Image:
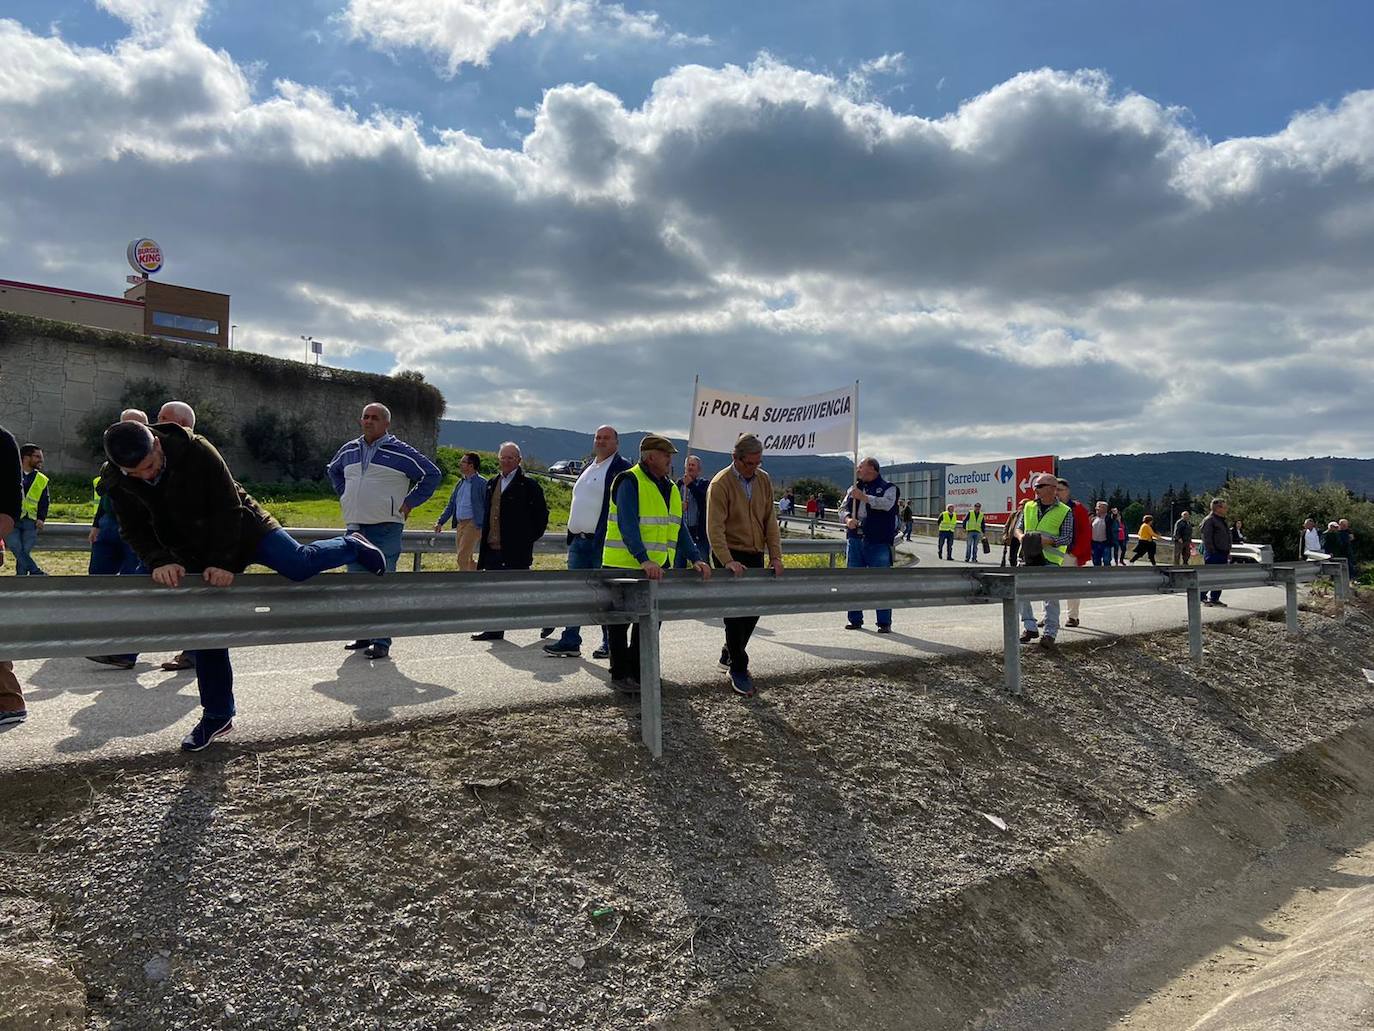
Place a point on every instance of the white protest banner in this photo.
(820, 424)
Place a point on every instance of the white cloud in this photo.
(459, 32)
(1054, 257)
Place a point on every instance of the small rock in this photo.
(577, 962)
(157, 969)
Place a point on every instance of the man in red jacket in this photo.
(1081, 550)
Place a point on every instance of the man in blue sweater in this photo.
(379, 479)
(870, 528)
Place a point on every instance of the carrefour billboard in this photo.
(1000, 486)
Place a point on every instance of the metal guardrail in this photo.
(101, 615)
(73, 537)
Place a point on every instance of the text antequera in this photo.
(819, 424)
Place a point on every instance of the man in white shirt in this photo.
(1311, 541)
(591, 501)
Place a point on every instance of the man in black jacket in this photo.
(182, 512)
(517, 516)
(1216, 544)
(693, 486)
(12, 709)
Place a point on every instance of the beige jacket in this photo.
(737, 522)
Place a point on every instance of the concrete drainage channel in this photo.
(1244, 908)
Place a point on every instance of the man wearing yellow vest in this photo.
(1045, 529)
(33, 511)
(973, 530)
(644, 531)
(944, 544)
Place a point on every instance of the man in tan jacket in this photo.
(741, 523)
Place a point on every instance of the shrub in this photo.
(285, 442)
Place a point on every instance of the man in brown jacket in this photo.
(741, 522)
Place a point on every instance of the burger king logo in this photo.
(145, 256)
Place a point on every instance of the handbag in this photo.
(987, 546)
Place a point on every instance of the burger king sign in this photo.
(145, 256)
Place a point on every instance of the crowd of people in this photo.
(168, 507)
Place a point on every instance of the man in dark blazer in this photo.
(591, 502)
(517, 516)
(693, 487)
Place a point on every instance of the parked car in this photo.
(567, 467)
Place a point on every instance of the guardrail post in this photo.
(833, 557)
(1289, 579)
(1011, 643)
(415, 564)
(1340, 577)
(650, 668)
(1185, 579)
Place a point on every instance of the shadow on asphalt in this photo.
(376, 689)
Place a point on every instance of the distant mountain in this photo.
(551, 445)
(1202, 471)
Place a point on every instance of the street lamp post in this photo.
(316, 346)
(232, 327)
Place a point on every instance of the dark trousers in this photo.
(283, 554)
(623, 641)
(738, 629)
(495, 561)
(110, 556)
(1215, 560)
(1146, 548)
(944, 545)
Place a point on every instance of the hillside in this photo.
(550, 445)
(1203, 470)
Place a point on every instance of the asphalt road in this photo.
(80, 711)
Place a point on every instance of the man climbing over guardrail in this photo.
(182, 512)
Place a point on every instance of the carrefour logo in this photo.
(1005, 474)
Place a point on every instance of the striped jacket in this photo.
(397, 475)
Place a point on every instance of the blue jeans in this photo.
(1215, 560)
(281, 553)
(971, 551)
(1102, 553)
(1051, 617)
(864, 554)
(111, 556)
(22, 540)
(583, 553)
(386, 536)
(944, 546)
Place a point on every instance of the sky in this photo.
(1024, 227)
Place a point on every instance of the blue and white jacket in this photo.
(396, 475)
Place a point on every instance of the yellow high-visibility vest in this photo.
(1051, 522)
(948, 521)
(974, 524)
(29, 508)
(659, 523)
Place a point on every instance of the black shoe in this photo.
(625, 685)
(182, 660)
(1047, 641)
(853, 626)
(1027, 636)
(490, 635)
(204, 732)
(1220, 604)
(117, 661)
(378, 651)
(357, 646)
(725, 659)
(1071, 621)
(602, 653)
(563, 651)
(546, 632)
(885, 628)
(13, 716)
(369, 556)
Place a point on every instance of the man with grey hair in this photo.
(693, 486)
(587, 517)
(1216, 544)
(134, 415)
(178, 412)
(379, 480)
(741, 522)
(517, 516)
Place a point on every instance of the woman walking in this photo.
(1119, 546)
(1149, 541)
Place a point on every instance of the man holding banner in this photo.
(741, 522)
(870, 528)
